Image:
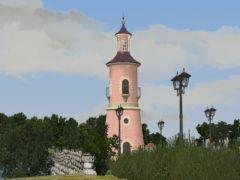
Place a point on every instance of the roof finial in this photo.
(123, 19)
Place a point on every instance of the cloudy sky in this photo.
(53, 55)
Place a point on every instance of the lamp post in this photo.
(189, 136)
(160, 126)
(210, 113)
(180, 82)
(119, 113)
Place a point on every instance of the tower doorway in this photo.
(126, 148)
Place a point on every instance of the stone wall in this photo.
(72, 162)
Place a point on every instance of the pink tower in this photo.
(123, 90)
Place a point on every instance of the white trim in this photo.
(127, 108)
(125, 104)
(124, 63)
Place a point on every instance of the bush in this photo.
(178, 163)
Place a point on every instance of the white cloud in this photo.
(221, 92)
(162, 49)
(36, 40)
(28, 3)
(161, 100)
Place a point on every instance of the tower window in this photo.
(125, 87)
(124, 45)
(126, 120)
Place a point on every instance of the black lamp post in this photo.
(180, 82)
(210, 113)
(160, 126)
(119, 113)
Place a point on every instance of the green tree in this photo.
(235, 129)
(24, 150)
(203, 130)
(55, 127)
(3, 122)
(100, 145)
(70, 135)
(155, 138)
(158, 139)
(146, 134)
(24, 143)
(7, 123)
(220, 131)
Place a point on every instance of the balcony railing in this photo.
(139, 92)
(107, 92)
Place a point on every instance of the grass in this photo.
(68, 177)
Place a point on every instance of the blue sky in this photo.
(53, 55)
(141, 14)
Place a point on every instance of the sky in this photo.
(53, 55)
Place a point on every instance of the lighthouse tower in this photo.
(123, 90)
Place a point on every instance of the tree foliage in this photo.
(24, 143)
(220, 131)
(24, 147)
(155, 138)
(95, 141)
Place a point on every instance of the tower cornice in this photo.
(123, 57)
(125, 108)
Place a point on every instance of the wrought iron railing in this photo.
(107, 92)
(139, 92)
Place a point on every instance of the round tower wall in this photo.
(130, 132)
(117, 73)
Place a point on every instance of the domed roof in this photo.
(123, 57)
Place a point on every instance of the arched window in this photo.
(125, 87)
(126, 148)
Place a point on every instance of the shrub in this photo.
(178, 163)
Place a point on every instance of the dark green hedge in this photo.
(180, 163)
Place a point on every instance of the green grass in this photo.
(181, 163)
(68, 177)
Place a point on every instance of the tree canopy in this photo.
(25, 143)
(155, 138)
(220, 131)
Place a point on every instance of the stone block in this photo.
(88, 158)
(88, 165)
(89, 172)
